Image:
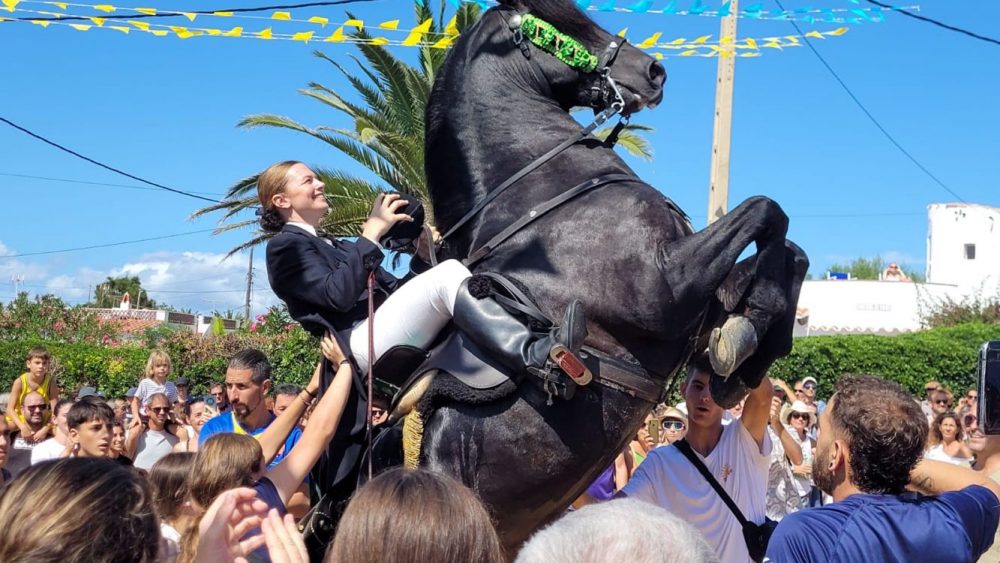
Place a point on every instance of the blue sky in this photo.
(166, 109)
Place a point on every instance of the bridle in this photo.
(605, 96)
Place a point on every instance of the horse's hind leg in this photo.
(696, 266)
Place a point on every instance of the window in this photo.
(970, 252)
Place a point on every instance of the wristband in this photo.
(310, 393)
(342, 362)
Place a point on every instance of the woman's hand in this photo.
(283, 540)
(775, 413)
(331, 350)
(232, 514)
(383, 216)
(804, 470)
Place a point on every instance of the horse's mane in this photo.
(561, 13)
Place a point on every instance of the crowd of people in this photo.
(784, 476)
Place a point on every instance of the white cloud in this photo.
(12, 268)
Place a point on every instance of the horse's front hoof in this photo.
(727, 392)
(731, 345)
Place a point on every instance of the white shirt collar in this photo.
(304, 226)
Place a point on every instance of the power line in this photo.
(868, 113)
(937, 23)
(107, 245)
(173, 14)
(102, 165)
(75, 181)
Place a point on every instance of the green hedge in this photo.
(945, 354)
(203, 360)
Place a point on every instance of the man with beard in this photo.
(736, 454)
(34, 407)
(987, 450)
(871, 436)
(248, 381)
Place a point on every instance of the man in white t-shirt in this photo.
(147, 445)
(737, 455)
(54, 447)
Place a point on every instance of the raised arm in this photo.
(792, 449)
(132, 439)
(757, 410)
(934, 477)
(275, 435)
(322, 424)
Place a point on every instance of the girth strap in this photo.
(540, 210)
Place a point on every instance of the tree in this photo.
(387, 133)
(871, 268)
(110, 293)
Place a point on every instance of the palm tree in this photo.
(387, 137)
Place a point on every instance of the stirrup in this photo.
(562, 357)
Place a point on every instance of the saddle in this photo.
(400, 372)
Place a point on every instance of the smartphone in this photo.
(654, 430)
(210, 401)
(989, 387)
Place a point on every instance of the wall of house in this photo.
(963, 247)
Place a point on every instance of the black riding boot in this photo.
(509, 341)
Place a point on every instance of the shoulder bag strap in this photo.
(685, 449)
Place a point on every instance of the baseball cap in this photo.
(89, 392)
(809, 378)
(131, 392)
(182, 381)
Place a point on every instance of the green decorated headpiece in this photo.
(558, 44)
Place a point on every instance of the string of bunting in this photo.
(703, 46)
(698, 8)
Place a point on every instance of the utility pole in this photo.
(17, 280)
(718, 188)
(246, 305)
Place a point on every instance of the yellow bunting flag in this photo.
(379, 41)
(751, 43)
(417, 33)
(99, 22)
(281, 16)
(121, 28)
(444, 43)
(188, 15)
(689, 52)
(106, 8)
(320, 20)
(213, 32)
(837, 32)
(62, 5)
(337, 36)
(80, 26)
(234, 32)
(650, 41)
(623, 31)
(265, 34)
(303, 36)
(147, 11)
(11, 4)
(392, 25)
(223, 14)
(139, 25)
(42, 23)
(452, 27)
(726, 39)
(356, 23)
(701, 40)
(815, 34)
(678, 41)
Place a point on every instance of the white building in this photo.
(963, 259)
(963, 246)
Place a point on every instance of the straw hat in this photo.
(676, 414)
(798, 406)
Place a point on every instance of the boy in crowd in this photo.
(89, 421)
(39, 380)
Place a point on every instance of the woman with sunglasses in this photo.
(947, 441)
(673, 426)
(799, 419)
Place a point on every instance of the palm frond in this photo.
(633, 143)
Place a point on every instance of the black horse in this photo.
(654, 291)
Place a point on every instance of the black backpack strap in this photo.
(685, 449)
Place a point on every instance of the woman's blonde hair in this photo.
(415, 515)
(78, 509)
(223, 462)
(156, 358)
(270, 183)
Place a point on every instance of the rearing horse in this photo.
(654, 291)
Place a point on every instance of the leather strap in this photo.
(688, 452)
(538, 211)
(623, 376)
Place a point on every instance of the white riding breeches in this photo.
(414, 314)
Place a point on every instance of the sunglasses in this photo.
(801, 415)
(673, 425)
(972, 396)
(809, 386)
(797, 391)
(970, 419)
(942, 402)
(160, 409)
(36, 407)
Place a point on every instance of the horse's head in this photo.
(582, 64)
